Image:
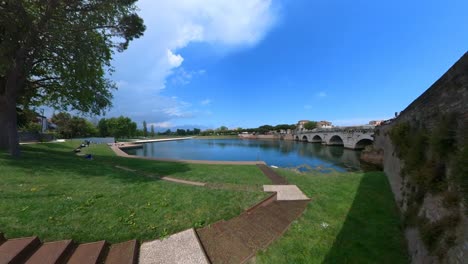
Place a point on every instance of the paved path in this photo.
(160, 140)
(272, 175)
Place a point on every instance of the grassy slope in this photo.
(54, 194)
(363, 224)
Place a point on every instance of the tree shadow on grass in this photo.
(60, 159)
(372, 231)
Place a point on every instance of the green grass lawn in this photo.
(230, 174)
(54, 194)
(352, 218)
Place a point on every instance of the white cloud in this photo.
(171, 26)
(205, 102)
(322, 94)
(166, 124)
(175, 60)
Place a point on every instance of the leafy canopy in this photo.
(66, 47)
(310, 125)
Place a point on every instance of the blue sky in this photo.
(207, 63)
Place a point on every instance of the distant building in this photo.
(45, 123)
(300, 125)
(376, 122)
(324, 124)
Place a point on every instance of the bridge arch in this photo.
(317, 139)
(305, 139)
(336, 141)
(361, 144)
(297, 138)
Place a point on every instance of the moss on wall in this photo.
(434, 163)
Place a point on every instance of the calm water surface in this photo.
(286, 154)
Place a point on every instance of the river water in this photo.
(286, 154)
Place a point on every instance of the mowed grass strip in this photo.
(352, 218)
(54, 194)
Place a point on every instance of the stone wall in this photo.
(35, 137)
(447, 95)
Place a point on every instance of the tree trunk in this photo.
(8, 117)
(9, 138)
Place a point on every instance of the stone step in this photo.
(89, 253)
(183, 247)
(52, 252)
(123, 253)
(18, 250)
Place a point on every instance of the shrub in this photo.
(399, 135)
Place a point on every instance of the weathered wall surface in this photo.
(448, 94)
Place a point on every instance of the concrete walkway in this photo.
(183, 247)
(286, 192)
(160, 140)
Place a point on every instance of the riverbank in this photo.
(52, 193)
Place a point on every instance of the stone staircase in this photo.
(30, 250)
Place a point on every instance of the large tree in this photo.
(57, 53)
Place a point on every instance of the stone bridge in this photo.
(349, 137)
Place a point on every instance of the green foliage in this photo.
(181, 132)
(400, 136)
(25, 117)
(152, 134)
(73, 126)
(31, 127)
(64, 49)
(310, 125)
(427, 158)
(431, 176)
(284, 127)
(415, 154)
(145, 129)
(118, 127)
